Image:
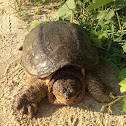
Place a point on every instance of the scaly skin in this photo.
(98, 89)
(70, 79)
(39, 88)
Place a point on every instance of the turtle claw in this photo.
(32, 109)
(26, 108)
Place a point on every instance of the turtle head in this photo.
(66, 88)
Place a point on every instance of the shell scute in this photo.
(53, 45)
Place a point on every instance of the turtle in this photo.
(60, 60)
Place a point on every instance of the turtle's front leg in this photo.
(36, 91)
(97, 89)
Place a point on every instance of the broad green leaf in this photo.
(65, 11)
(70, 4)
(95, 39)
(29, 27)
(33, 25)
(69, 15)
(100, 15)
(62, 11)
(124, 107)
(99, 3)
(123, 86)
(79, 3)
(124, 48)
(122, 74)
(102, 35)
(93, 34)
(110, 14)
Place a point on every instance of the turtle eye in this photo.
(64, 90)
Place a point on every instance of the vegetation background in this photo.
(105, 24)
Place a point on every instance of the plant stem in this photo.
(118, 17)
(118, 98)
(101, 18)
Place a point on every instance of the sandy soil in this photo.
(13, 79)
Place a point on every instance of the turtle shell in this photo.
(53, 45)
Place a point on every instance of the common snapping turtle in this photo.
(55, 57)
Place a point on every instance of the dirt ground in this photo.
(13, 79)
